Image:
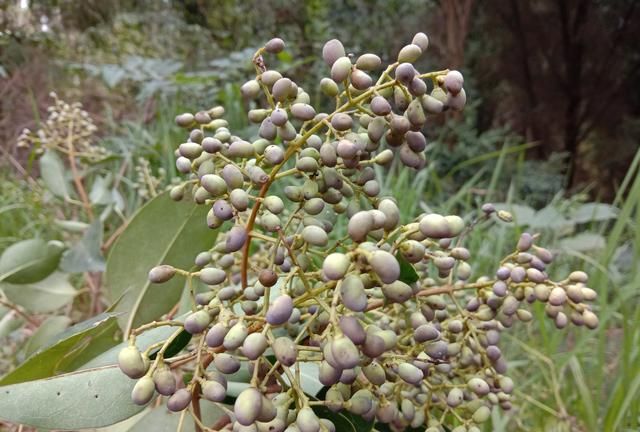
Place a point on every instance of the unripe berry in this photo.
(280, 311)
(250, 89)
(215, 335)
(161, 273)
(455, 397)
(285, 351)
(410, 373)
(274, 46)
(303, 111)
(453, 82)
(185, 120)
(179, 401)
(235, 336)
(478, 386)
(226, 363)
(385, 265)
(254, 345)
(457, 102)
(307, 421)
(405, 73)
(329, 87)
(212, 275)
(434, 226)
(352, 329)
(197, 322)
(368, 62)
(345, 353)
(274, 154)
(131, 362)
(164, 381)
(360, 80)
(341, 69)
(213, 391)
(332, 50)
(409, 53)
(422, 40)
(335, 266)
(143, 391)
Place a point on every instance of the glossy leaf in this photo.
(162, 232)
(408, 274)
(29, 261)
(176, 345)
(70, 349)
(46, 295)
(45, 333)
(84, 399)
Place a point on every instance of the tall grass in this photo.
(568, 380)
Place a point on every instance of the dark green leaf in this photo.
(29, 261)
(176, 345)
(51, 327)
(408, 274)
(72, 348)
(162, 232)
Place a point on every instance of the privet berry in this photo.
(131, 362)
(313, 264)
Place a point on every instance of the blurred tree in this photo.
(568, 66)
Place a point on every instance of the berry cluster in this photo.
(323, 271)
(65, 121)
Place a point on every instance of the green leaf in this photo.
(100, 192)
(46, 295)
(594, 212)
(550, 218)
(176, 345)
(47, 330)
(29, 261)
(86, 256)
(408, 274)
(52, 172)
(159, 419)
(71, 225)
(163, 231)
(584, 242)
(84, 399)
(70, 349)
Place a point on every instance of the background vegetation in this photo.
(551, 133)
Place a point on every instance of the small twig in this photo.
(17, 309)
(105, 247)
(221, 422)
(76, 177)
(94, 289)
